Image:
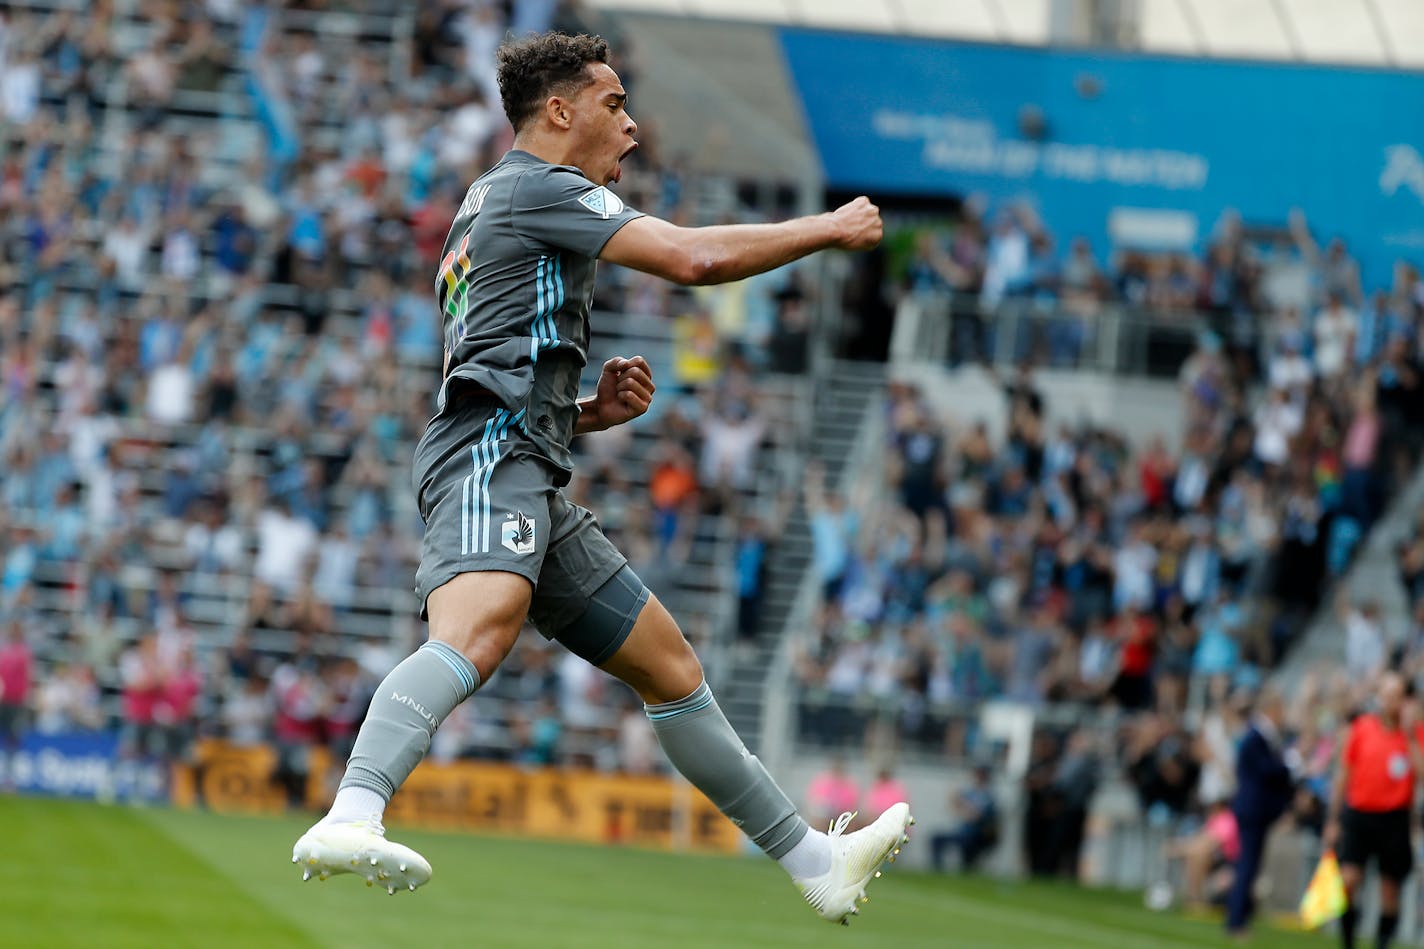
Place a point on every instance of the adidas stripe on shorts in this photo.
(489, 502)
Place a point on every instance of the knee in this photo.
(679, 676)
(484, 646)
(480, 615)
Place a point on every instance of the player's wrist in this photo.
(591, 418)
(834, 232)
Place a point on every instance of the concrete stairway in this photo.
(843, 399)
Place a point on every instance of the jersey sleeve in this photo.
(556, 207)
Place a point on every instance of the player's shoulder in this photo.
(535, 177)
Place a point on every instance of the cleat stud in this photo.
(877, 874)
(322, 876)
(296, 859)
(375, 860)
(306, 875)
(391, 891)
(370, 881)
(412, 887)
(311, 861)
(865, 899)
(845, 920)
(912, 822)
(402, 868)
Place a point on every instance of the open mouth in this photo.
(618, 165)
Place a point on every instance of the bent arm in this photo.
(724, 253)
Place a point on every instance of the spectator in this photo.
(1006, 261)
(246, 715)
(1074, 780)
(1208, 857)
(143, 680)
(833, 526)
(1336, 328)
(831, 793)
(302, 701)
(751, 554)
(978, 830)
(176, 706)
(16, 677)
(284, 544)
(731, 435)
(1365, 650)
(68, 701)
(885, 787)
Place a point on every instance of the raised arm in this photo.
(724, 253)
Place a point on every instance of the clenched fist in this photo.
(625, 390)
(859, 225)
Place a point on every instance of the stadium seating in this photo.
(315, 293)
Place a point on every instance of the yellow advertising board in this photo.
(650, 811)
(242, 779)
(643, 810)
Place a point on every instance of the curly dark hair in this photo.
(532, 69)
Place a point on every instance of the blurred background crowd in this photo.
(1153, 586)
(219, 224)
(218, 346)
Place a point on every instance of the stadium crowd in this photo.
(1154, 583)
(220, 224)
(1058, 562)
(214, 370)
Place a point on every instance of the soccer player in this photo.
(502, 543)
(1369, 807)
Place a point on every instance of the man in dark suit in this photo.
(1263, 792)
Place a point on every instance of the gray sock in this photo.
(408, 706)
(701, 744)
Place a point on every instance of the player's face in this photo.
(604, 129)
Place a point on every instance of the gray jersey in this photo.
(515, 285)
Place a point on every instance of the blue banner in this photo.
(83, 765)
(1097, 140)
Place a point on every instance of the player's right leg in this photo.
(474, 620)
(475, 582)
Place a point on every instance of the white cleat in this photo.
(855, 861)
(332, 847)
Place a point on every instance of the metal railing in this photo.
(1108, 338)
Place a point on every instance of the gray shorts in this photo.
(490, 502)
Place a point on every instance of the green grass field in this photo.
(84, 875)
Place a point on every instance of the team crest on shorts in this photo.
(517, 534)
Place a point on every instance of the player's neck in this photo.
(545, 147)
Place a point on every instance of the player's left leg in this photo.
(656, 660)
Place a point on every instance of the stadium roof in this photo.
(1372, 32)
